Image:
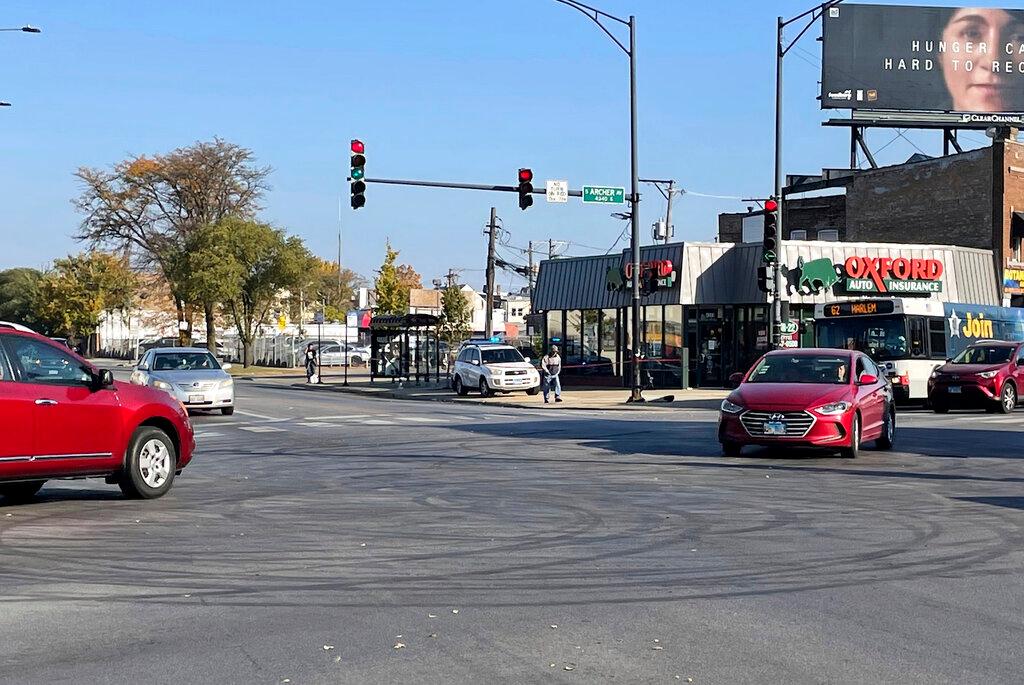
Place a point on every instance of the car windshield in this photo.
(801, 368)
(984, 354)
(880, 337)
(185, 361)
(501, 356)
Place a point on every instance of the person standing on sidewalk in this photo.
(310, 363)
(551, 367)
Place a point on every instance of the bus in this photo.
(910, 337)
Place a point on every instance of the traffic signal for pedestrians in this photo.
(525, 188)
(765, 278)
(770, 244)
(356, 173)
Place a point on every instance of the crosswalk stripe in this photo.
(261, 429)
(316, 424)
(202, 435)
(421, 419)
(378, 422)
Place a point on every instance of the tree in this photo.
(150, 206)
(18, 295)
(407, 280)
(330, 292)
(75, 293)
(456, 316)
(388, 288)
(266, 262)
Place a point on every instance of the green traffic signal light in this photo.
(357, 173)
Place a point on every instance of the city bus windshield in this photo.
(881, 337)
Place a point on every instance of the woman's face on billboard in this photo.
(983, 89)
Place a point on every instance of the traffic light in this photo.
(525, 188)
(765, 278)
(356, 174)
(770, 244)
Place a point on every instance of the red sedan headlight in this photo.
(833, 408)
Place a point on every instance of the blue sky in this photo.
(459, 91)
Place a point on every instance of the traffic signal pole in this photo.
(776, 316)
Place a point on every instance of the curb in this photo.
(394, 395)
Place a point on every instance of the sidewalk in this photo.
(574, 398)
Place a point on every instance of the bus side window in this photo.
(937, 337)
(916, 336)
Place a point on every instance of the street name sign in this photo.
(604, 195)
(558, 191)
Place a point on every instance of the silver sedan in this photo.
(191, 375)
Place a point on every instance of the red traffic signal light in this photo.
(771, 206)
(525, 188)
(358, 147)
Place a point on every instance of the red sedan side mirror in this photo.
(867, 379)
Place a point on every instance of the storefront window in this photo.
(608, 343)
(573, 342)
(674, 345)
(555, 329)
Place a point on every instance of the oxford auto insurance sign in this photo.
(867, 275)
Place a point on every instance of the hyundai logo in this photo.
(776, 417)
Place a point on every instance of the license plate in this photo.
(774, 428)
(954, 389)
(196, 399)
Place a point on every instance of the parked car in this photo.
(493, 368)
(987, 375)
(191, 375)
(833, 399)
(61, 417)
(339, 354)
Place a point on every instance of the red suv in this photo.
(987, 374)
(61, 417)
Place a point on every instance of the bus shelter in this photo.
(405, 347)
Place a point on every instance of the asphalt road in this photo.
(315, 533)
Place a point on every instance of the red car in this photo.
(835, 399)
(987, 374)
(61, 417)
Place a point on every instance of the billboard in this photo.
(934, 59)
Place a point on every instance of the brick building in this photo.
(972, 199)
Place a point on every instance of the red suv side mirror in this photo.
(867, 379)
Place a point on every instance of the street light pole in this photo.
(814, 13)
(25, 29)
(596, 16)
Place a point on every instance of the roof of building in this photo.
(726, 273)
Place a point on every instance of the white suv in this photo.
(493, 368)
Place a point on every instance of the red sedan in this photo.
(61, 417)
(833, 399)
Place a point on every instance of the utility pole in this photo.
(668, 212)
(551, 248)
(492, 233)
(530, 277)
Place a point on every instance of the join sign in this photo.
(604, 195)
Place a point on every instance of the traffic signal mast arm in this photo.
(462, 186)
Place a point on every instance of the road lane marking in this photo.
(262, 429)
(207, 434)
(256, 416)
(420, 419)
(378, 422)
(340, 417)
(316, 424)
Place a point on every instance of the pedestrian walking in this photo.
(311, 364)
(551, 367)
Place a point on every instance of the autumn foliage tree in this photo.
(394, 283)
(153, 206)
